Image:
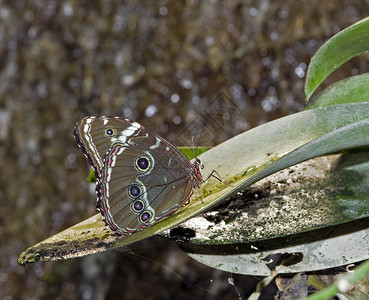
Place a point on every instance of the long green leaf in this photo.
(345, 45)
(235, 160)
(343, 283)
(349, 90)
(329, 210)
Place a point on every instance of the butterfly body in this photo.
(141, 177)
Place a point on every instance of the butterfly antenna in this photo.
(193, 143)
(194, 150)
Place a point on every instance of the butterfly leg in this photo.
(216, 175)
(198, 191)
(189, 198)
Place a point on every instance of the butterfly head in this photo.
(198, 163)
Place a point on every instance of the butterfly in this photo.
(141, 177)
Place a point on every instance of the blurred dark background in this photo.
(226, 65)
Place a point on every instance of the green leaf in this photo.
(242, 160)
(91, 177)
(191, 153)
(345, 45)
(349, 90)
(343, 283)
(352, 206)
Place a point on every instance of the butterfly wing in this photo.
(91, 137)
(133, 197)
(141, 177)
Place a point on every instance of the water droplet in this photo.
(175, 98)
(151, 110)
